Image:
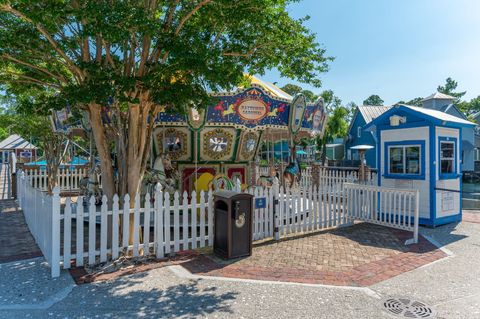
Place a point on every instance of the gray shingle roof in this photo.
(15, 141)
(371, 112)
(440, 96)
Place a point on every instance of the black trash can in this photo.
(233, 231)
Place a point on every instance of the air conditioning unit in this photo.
(396, 120)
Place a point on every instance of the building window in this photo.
(359, 131)
(405, 160)
(447, 157)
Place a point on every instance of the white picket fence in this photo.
(42, 214)
(391, 207)
(68, 178)
(90, 234)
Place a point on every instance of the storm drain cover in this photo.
(408, 308)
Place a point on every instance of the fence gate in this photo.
(390, 207)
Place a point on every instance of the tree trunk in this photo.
(324, 154)
(132, 141)
(53, 155)
(103, 149)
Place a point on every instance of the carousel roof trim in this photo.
(287, 98)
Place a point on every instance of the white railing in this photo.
(42, 214)
(331, 178)
(68, 179)
(391, 207)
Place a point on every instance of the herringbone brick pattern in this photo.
(360, 255)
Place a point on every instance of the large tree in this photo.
(414, 102)
(124, 61)
(450, 89)
(337, 126)
(294, 89)
(373, 100)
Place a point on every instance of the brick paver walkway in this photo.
(16, 242)
(360, 255)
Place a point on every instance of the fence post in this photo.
(416, 217)
(158, 229)
(417, 213)
(20, 189)
(276, 228)
(55, 260)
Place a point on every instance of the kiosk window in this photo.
(404, 160)
(447, 157)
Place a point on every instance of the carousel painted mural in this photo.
(212, 147)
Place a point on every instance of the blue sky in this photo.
(397, 49)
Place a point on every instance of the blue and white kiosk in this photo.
(421, 149)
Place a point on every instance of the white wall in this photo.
(406, 134)
(444, 208)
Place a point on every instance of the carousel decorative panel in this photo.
(248, 146)
(217, 144)
(174, 142)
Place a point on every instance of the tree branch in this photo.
(34, 67)
(41, 29)
(28, 79)
(190, 14)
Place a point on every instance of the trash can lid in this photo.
(226, 194)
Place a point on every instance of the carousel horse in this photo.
(163, 173)
(292, 174)
(267, 181)
(90, 186)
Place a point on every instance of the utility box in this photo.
(233, 224)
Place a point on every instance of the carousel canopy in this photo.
(260, 106)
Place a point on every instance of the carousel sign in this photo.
(252, 110)
(297, 113)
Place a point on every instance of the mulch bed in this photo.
(126, 266)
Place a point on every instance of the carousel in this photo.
(210, 147)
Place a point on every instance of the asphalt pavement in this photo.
(450, 287)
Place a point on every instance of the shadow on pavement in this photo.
(138, 297)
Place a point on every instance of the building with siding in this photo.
(420, 148)
(24, 150)
(358, 136)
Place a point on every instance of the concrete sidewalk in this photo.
(451, 286)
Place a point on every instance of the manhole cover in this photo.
(408, 308)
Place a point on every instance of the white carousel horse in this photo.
(163, 173)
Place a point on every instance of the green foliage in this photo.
(414, 102)
(449, 89)
(331, 101)
(373, 100)
(293, 90)
(337, 126)
(470, 107)
(89, 51)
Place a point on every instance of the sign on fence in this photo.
(260, 202)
